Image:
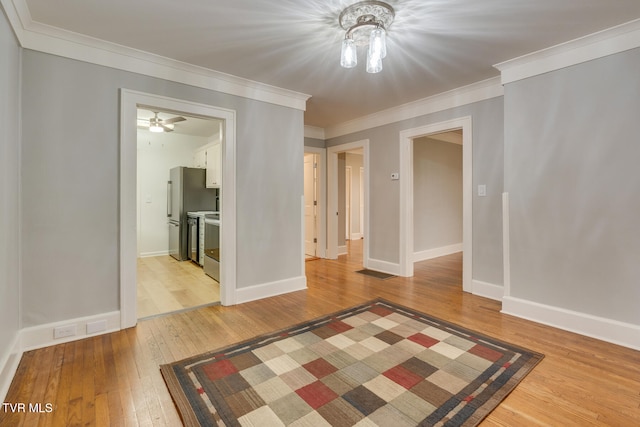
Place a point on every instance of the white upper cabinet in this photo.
(214, 165)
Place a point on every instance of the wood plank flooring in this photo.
(114, 380)
(166, 285)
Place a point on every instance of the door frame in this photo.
(321, 212)
(332, 197)
(406, 194)
(129, 102)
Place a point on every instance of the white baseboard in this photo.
(267, 290)
(9, 365)
(383, 266)
(613, 331)
(437, 252)
(152, 254)
(342, 250)
(42, 335)
(356, 236)
(488, 290)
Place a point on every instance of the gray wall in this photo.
(9, 186)
(487, 117)
(313, 142)
(70, 195)
(437, 194)
(571, 170)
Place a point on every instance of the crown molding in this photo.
(593, 46)
(475, 92)
(48, 39)
(314, 132)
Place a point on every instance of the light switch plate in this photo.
(482, 190)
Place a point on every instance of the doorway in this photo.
(130, 101)
(355, 155)
(310, 206)
(407, 138)
(174, 283)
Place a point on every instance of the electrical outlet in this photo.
(65, 331)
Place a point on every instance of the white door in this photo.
(347, 193)
(310, 203)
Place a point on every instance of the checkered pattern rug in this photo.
(377, 364)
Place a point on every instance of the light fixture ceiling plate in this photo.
(382, 12)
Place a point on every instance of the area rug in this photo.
(376, 274)
(374, 364)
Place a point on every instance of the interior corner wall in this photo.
(571, 171)
(9, 200)
(70, 185)
(384, 196)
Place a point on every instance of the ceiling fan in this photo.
(156, 124)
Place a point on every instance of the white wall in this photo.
(157, 153)
(9, 203)
(437, 198)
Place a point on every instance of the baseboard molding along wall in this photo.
(271, 289)
(613, 331)
(437, 252)
(383, 266)
(43, 335)
(342, 250)
(488, 290)
(152, 254)
(8, 366)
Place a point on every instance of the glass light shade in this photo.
(156, 129)
(378, 42)
(374, 62)
(349, 56)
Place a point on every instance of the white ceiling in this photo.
(433, 45)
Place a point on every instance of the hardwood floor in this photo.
(114, 380)
(166, 285)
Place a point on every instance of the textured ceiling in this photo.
(433, 45)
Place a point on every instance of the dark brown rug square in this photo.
(374, 364)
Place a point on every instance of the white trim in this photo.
(437, 252)
(480, 91)
(355, 236)
(9, 366)
(45, 38)
(342, 250)
(266, 290)
(613, 331)
(314, 132)
(406, 194)
(332, 197)
(152, 254)
(506, 242)
(321, 156)
(384, 266)
(42, 335)
(597, 45)
(488, 290)
(129, 101)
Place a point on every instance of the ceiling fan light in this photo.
(349, 56)
(155, 128)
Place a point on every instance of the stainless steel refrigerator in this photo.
(186, 192)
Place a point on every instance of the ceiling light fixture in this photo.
(154, 124)
(366, 23)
